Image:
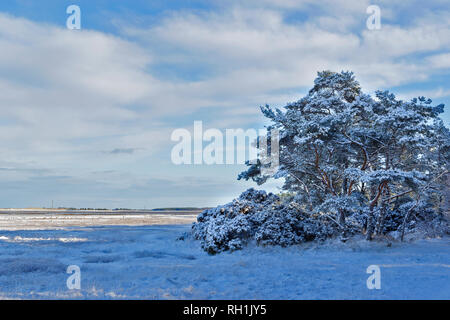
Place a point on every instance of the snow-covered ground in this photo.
(148, 262)
(51, 220)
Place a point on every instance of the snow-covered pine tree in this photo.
(345, 154)
(351, 164)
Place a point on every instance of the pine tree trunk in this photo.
(402, 232)
(380, 220)
(370, 224)
(382, 215)
(342, 223)
(370, 217)
(405, 220)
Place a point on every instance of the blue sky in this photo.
(86, 115)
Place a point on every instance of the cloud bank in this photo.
(77, 102)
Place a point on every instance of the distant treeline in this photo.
(129, 209)
(179, 209)
(64, 208)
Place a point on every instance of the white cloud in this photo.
(433, 94)
(68, 97)
(440, 61)
(250, 52)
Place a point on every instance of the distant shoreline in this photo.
(57, 219)
(100, 211)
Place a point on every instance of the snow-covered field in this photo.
(51, 220)
(148, 262)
